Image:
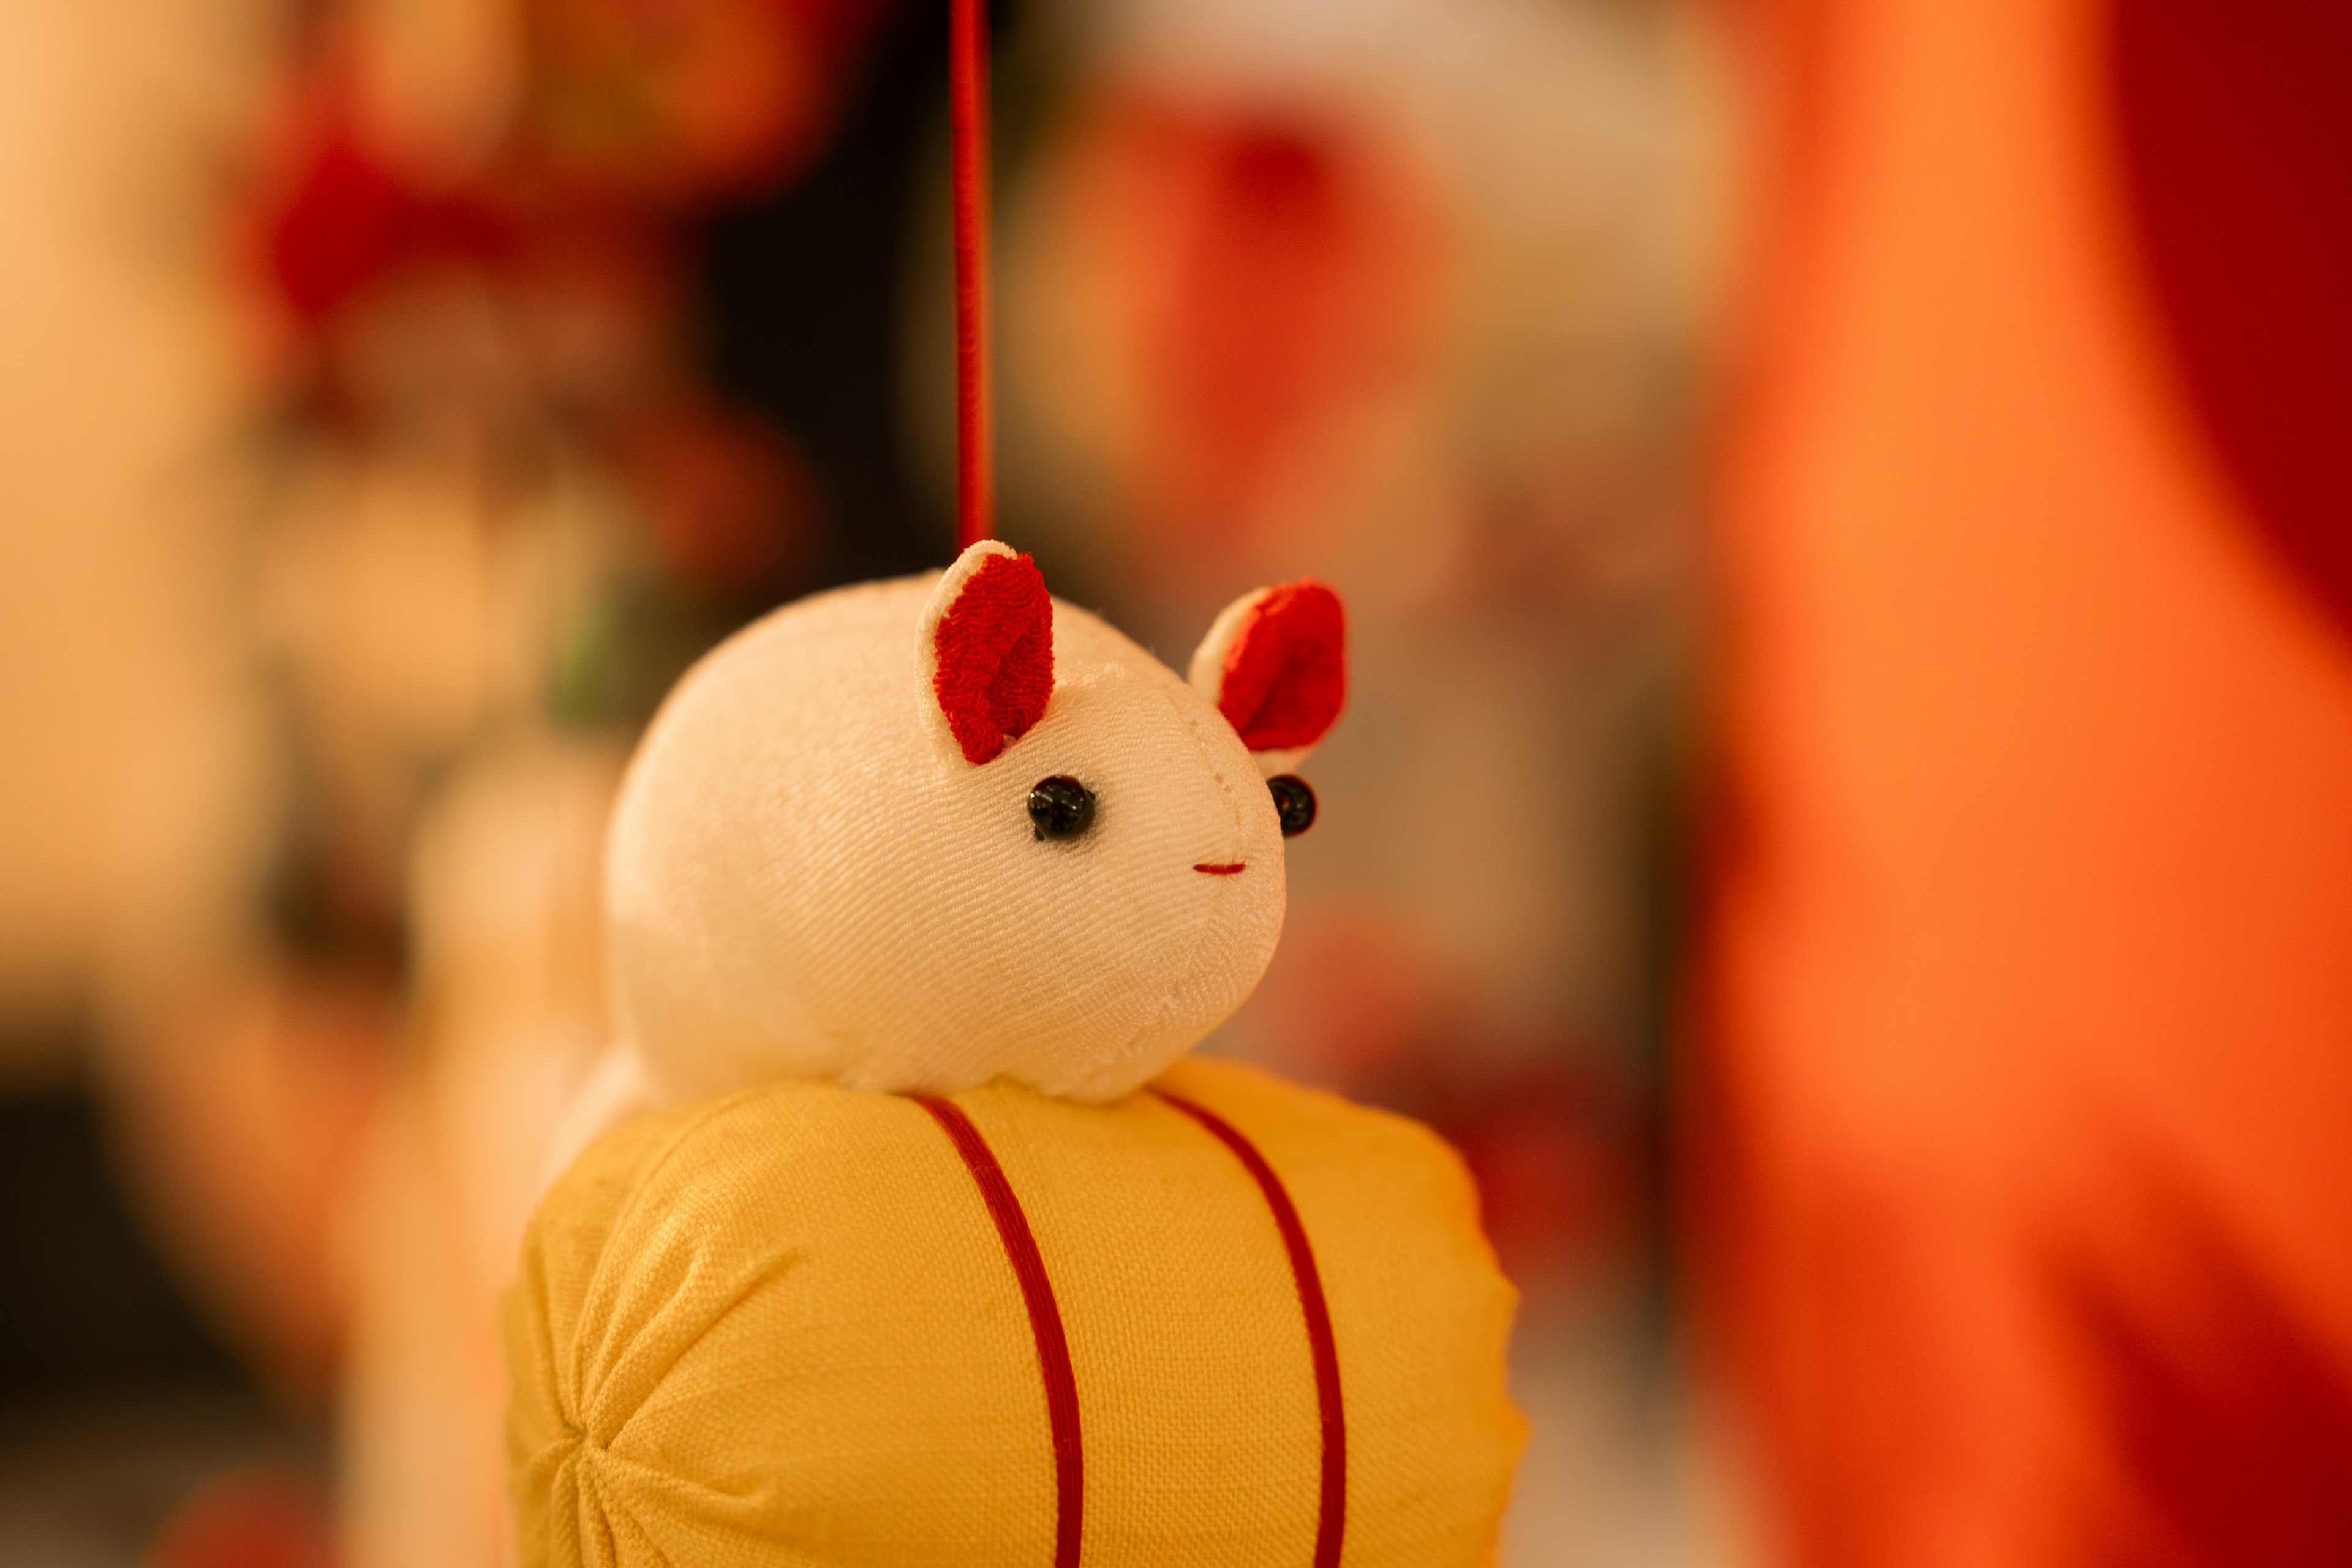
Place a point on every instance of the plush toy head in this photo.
(918, 836)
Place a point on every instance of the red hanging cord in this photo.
(968, 111)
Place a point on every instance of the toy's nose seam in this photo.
(1233, 802)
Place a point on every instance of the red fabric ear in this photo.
(1286, 676)
(995, 648)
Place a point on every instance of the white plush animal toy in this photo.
(917, 835)
(891, 1230)
(927, 1250)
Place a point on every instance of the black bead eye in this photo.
(1293, 802)
(1061, 806)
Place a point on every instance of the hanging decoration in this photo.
(898, 1223)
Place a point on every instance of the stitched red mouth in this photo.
(1235, 869)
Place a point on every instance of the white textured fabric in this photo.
(805, 880)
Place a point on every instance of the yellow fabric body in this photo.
(780, 1328)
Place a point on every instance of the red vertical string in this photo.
(1054, 1365)
(968, 111)
(1322, 1345)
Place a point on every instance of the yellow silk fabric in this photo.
(780, 1330)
